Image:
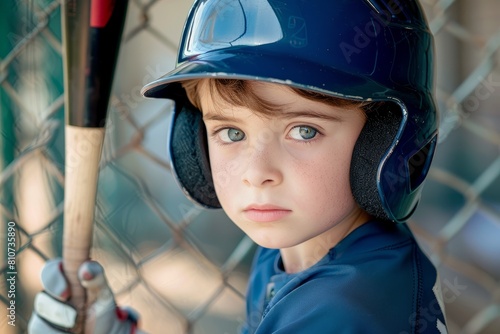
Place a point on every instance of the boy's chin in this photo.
(273, 243)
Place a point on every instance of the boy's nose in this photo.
(263, 167)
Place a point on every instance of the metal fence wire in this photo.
(185, 269)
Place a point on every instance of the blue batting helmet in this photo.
(369, 50)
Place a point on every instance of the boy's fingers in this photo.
(53, 311)
(53, 280)
(103, 315)
(91, 275)
(92, 278)
(52, 315)
(37, 325)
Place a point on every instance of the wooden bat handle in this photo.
(83, 153)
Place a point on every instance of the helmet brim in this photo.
(282, 70)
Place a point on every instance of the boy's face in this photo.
(283, 180)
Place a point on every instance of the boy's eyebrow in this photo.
(284, 115)
(211, 116)
(310, 114)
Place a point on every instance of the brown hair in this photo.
(240, 93)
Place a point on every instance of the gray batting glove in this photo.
(53, 315)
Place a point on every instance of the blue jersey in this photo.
(376, 280)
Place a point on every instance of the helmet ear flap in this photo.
(374, 141)
(188, 151)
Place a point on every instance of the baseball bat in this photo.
(91, 35)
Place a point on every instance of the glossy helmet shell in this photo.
(369, 50)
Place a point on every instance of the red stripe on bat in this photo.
(100, 12)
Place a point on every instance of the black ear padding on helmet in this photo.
(189, 155)
(375, 139)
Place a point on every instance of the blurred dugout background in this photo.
(185, 269)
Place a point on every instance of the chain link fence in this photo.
(185, 269)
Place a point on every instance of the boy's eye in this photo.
(303, 132)
(229, 135)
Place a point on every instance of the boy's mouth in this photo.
(263, 213)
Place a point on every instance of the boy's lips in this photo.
(265, 212)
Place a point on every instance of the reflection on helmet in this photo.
(226, 24)
(376, 50)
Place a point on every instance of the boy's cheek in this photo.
(229, 164)
(224, 172)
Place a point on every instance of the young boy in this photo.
(312, 124)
